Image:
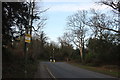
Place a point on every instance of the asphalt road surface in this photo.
(65, 70)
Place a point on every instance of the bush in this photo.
(89, 58)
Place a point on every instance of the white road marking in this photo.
(50, 72)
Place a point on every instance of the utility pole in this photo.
(27, 40)
(53, 53)
(25, 55)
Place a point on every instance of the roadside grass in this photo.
(115, 72)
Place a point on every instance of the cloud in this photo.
(60, 0)
(71, 5)
(74, 7)
(100, 7)
(65, 7)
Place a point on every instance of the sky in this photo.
(58, 12)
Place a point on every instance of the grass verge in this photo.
(112, 72)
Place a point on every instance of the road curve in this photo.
(65, 70)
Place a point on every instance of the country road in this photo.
(65, 70)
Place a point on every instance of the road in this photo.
(65, 70)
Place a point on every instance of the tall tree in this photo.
(13, 20)
(37, 20)
(76, 25)
(115, 5)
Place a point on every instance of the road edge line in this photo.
(50, 72)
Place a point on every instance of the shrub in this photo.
(89, 57)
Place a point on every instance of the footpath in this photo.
(42, 71)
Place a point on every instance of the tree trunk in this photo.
(81, 54)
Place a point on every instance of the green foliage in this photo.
(104, 51)
(13, 15)
(14, 23)
(89, 58)
(66, 50)
(76, 55)
(15, 20)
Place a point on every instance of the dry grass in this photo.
(111, 70)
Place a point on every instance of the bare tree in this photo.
(115, 4)
(36, 16)
(63, 40)
(76, 25)
(36, 22)
(95, 20)
(101, 22)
